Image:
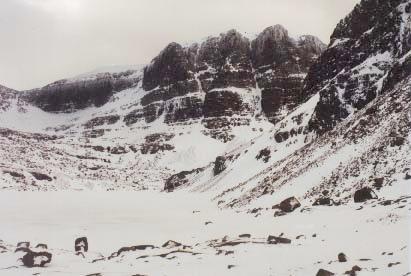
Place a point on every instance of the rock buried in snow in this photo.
(353, 271)
(323, 272)
(325, 201)
(342, 258)
(275, 240)
(36, 259)
(41, 176)
(81, 244)
(171, 244)
(219, 165)
(23, 244)
(279, 213)
(364, 194)
(21, 249)
(41, 245)
(288, 205)
(130, 249)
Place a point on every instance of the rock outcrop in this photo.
(69, 95)
(364, 194)
(220, 77)
(281, 64)
(367, 49)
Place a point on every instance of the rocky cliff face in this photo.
(281, 65)
(223, 75)
(365, 49)
(223, 81)
(69, 95)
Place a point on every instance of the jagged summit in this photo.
(278, 32)
(273, 64)
(311, 43)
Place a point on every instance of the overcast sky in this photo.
(45, 40)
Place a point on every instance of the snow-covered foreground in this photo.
(373, 236)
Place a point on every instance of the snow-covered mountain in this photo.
(259, 127)
(188, 106)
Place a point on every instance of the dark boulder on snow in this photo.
(36, 259)
(23, 244)
(288, 205)
(41, 246)
(378, 182)
(342, 258)
(281, 136)
(353, 271)
(179, 179)
(219, 165)
(130, 249)
(323, 272)
(41, 176)
(22, 249)
(326, 201)
(171, 244)
(275, 240)
(264, 154)
(364, 194)
(81, 244)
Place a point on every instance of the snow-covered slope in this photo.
(97, 147)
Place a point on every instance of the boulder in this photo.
(171, 244)
(36, 259)
(41, 245)
(353, 271)
(219, 165)
(342, 258)
(275, 240)
(41, 176)
(378, 182)
(264, 154)
(279, 213)
(323, 272)
(23, 244)
(364, 194)
(179, 179)
(81, 244)
(288, 205)
(324, 201)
